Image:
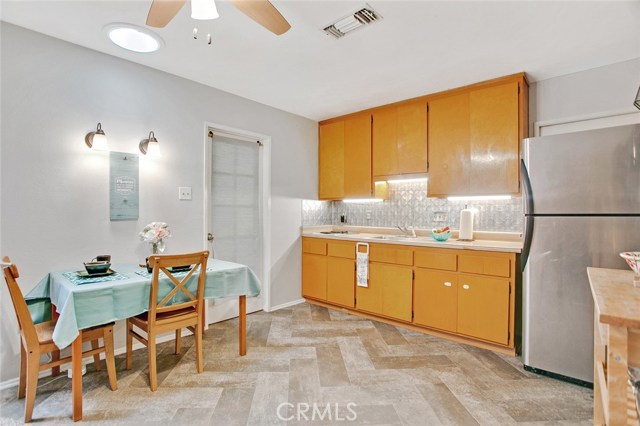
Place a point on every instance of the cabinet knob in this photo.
(447, 284)
(466, 286)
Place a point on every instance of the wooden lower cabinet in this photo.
(341, 278)
(314, 276)
(483, 308)
(435, 299)
(465, 295)
(389, 292)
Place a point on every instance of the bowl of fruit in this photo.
(441, 234)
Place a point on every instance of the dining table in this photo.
(80, 301)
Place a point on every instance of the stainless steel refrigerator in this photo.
(581, 195)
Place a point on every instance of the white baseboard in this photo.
(286, 305)
(119, 351)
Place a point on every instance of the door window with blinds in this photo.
(235, 201)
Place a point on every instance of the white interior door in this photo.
(235, 213)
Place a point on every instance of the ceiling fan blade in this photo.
(163, 11)
(264, 13)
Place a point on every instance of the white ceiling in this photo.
(418, 47)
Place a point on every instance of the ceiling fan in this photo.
(261, 11)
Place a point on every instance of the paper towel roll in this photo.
(466, 225)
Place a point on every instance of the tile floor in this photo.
(310, 365)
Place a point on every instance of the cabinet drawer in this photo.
(341, 249)
(314, 246)
(485, 265)
(436, 260)
(399, 255)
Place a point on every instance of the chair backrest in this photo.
(161, 263)
(25, 322)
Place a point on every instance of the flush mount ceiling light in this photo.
(134, 38)
(352, 22)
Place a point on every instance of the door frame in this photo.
(265, 194)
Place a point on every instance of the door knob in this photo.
(466, 286)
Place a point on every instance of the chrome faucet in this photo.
(408, 231)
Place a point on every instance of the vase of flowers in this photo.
(154, 234)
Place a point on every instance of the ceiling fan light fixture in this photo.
(134, 38)
(204, 10)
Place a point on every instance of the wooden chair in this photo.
(164, 316)
(36, 339)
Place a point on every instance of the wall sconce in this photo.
(97, 140)
(150, 146)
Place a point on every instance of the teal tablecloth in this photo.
(82, 306)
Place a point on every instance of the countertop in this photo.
(615, 297)
(488, 241)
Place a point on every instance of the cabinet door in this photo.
(449, 145)
(357, 156)
(331, 161)
(494, 141)
(483, 308)
(314, 276)
(435, 299)
(341, 281)
(389, 293)
(411, 142)
(385, 150)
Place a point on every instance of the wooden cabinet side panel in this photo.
(412, 138)
(341, 281)
(370, 298)
(331, 161)
(384, 136)
(397, 292)
(435, 299)
(314, 276)
(357, 157)
(449, 145)
(483, 308)
(494, 141)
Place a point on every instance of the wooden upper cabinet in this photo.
(400, 140)
(474, 138)
(357, 156)
(331, 161)
(345, 158)
(449, 145)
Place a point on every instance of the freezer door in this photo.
(585, 172)
(557, 302)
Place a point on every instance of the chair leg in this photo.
(198, 330)
(178, 335)
(23, 372)
(95, 344)
(55, 356)
(153, 373)
(33, 368)
(129, 345)
(109, 357)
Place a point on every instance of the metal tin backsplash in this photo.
(408, 205)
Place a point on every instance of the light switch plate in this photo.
(184, 193)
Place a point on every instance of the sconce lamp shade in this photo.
(204, 9)
(97, 140)
(150, 146)
(637, 101)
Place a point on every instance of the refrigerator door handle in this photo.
(528, 214)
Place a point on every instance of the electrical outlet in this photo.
(368, 215)
(184, 193)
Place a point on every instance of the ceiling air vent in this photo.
(352, 22)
